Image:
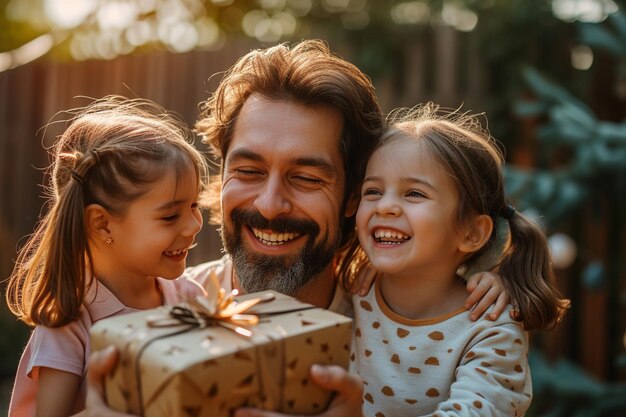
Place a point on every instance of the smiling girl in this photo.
(432, 192)
(122, 216)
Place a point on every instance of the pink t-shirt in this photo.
(68, 348)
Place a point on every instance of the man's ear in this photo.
(97, 218)
(476, 233)
(352, 205)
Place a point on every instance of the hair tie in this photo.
(78, 178)
(507, 212)
(96, 155)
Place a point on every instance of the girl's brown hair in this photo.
(473, 160)
(111, 152)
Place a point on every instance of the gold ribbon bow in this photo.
(214, 308)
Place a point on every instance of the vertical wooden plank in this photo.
(6, 237)
(445, 54)
(414, 89)
(594, 301)
(477, 73)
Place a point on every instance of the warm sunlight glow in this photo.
(67, 14)
(116, 15)
(582, 57)
(583, 10)
(410, 13)
(458, 17)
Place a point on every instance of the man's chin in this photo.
(287, 274)
(265, 272)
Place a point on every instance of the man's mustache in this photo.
(254, 219)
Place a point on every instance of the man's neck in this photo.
(320, 291)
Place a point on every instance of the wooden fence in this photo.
(31, 95)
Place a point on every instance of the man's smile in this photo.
(272, 238)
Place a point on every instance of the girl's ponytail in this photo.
(48, 283)
(527, 274)
(110, 153)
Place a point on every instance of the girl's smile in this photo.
(405, 217)
(389, 237)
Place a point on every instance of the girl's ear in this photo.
(352, 205)
(97, 218)
(476, 234)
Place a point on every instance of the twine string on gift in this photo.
(271, 367)
(137, 369)
(198, 313)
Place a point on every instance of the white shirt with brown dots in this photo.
(444, 366)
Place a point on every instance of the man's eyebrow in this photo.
(323, 164)
(239, 154)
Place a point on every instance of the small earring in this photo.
(108, 240)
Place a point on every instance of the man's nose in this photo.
(272, 199)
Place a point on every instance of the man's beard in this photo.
(286, 274)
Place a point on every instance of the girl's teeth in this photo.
(380, 234)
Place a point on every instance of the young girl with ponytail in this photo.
(123, 213)
(430, 200)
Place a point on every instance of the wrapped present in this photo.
(211, 356)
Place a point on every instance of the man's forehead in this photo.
(287, 129)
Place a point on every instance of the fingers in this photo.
(486, 289)
(476, 289)
(481, 307)
(473, 281)
(515, 314)
(335, 378)
(362, 284)
(100, 364)
(500, 305)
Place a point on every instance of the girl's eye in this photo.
(371, 191)
(170, 218)
(415, 194)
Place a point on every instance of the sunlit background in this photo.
(550, 76)
(106, 29)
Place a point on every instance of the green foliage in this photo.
(600, 37)
(561, 389)
(597, 149)
(581, 158)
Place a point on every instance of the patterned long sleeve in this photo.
(444, 366)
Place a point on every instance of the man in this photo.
(293, 128)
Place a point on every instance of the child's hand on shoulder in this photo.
(485, 289)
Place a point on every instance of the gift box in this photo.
(176, 361)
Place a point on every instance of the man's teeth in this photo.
(390, 236)
(274, 238)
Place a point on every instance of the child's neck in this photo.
(423, 296)
(141, 294)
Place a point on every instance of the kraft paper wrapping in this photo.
(213, 371)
